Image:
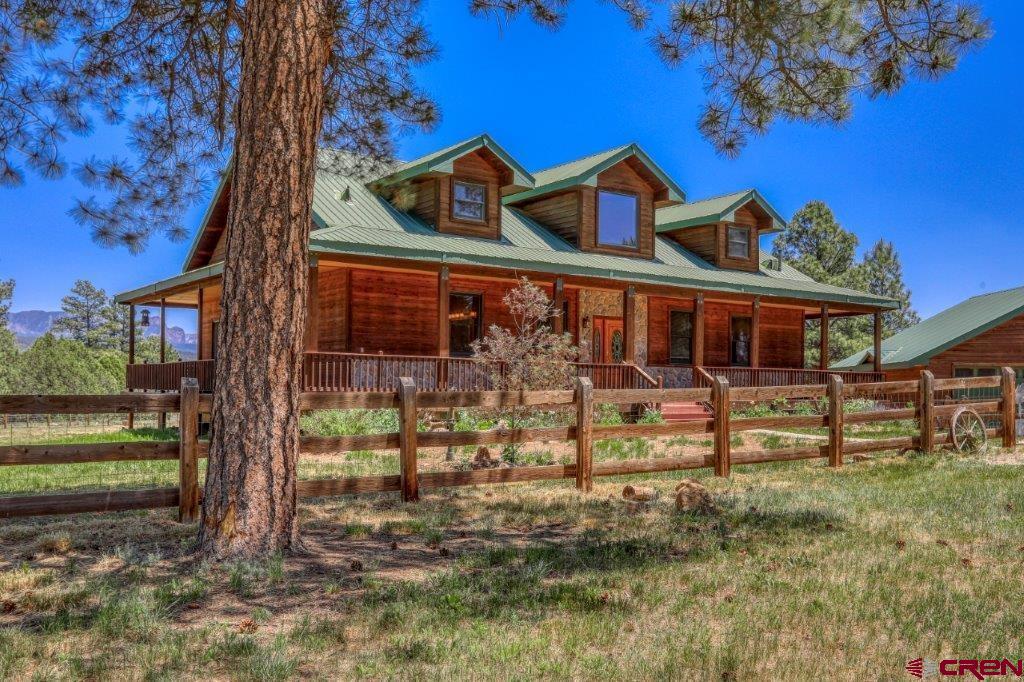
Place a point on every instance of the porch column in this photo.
(199, 324)
(443, 334)
(131, 333)
(313, 310)
(131, 352)
(823, 349)
(878, 340)
(161, 417)
(698, 330)
(558, 303)
(755, 333)
(629, 325)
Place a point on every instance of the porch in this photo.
(370, 324)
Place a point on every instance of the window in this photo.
(470, 201)
(680, 337)
(739, 242)
(618, 219)
(740, 355)
(465, 322)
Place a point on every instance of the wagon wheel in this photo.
(967, 431)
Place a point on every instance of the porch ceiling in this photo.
(179, 290)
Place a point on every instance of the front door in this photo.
(608, 340)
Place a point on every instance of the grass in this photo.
(804, 572)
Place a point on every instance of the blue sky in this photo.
(938, 169)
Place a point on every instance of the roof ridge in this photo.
(584, 158)
(993, 293)
(723, 194)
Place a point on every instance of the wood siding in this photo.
(1001, 346)
(702, 240)
(711, 242)
(471, 168)
(619, 178)
(211, 314)
(560, 213)
(393, 312)
(333, 286)
(781, 332)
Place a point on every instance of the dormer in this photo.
(458, 190)
(604, 203)
(725, 230)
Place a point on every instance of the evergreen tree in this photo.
(84, 317)
(8, 345)
(55, 365)
(216, 76)
(815, 243)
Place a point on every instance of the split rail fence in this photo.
(407, 440)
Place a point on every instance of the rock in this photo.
(639, 493)
(483, 459)
(860, 458)
(692, 496)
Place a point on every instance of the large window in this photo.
(618, 222)
(465, 322)
(739, 242)
(680, 337)
(470, 201)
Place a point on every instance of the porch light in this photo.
(144, 321)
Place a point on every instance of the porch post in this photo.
(755, 333)
(558, 303)
(161, 417)
(199, 324)
(823, 349)
(443, 334)
(313, 310)
(131, 352)
(698, 330)
(629, 324)
(878, 340)
(131, 333)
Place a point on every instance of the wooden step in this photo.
(681, 412)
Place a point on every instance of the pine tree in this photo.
(83, 316)
(8, 344)
(217, 76)
(815, 243)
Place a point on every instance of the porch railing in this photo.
(771, 376)
(324, 372)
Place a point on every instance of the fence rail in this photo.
(408, 400)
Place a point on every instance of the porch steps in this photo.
(684, 412)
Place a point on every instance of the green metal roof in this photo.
(716, 209)
(918, 344)
(442, 161)
(584, 172)
(164, 284)
(366, 224)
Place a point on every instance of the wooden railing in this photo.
(376, 372)
(408, 400)
(771, 376)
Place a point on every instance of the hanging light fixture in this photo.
(145, 318)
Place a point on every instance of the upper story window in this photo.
(469, 201)
(738, 242)
(618, 219)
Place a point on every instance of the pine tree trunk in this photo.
(249, 507)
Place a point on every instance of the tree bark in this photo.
(249, 507)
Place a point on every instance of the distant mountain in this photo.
(29, 325)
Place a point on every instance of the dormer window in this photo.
(618, 219)
(470, 201)
(738, 242)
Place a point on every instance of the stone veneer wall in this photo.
(593, 302)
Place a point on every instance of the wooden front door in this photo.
(608, 340)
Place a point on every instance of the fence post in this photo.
(407, 438)
(720, 402)
(584, 434)
(835, 421)
(926, 406)
(188, 451)
(1009, 386)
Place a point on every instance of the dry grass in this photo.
(804, 573)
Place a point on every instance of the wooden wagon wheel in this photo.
(967, 431)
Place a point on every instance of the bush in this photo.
(349, 422)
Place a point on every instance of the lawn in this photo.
(803, 572)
